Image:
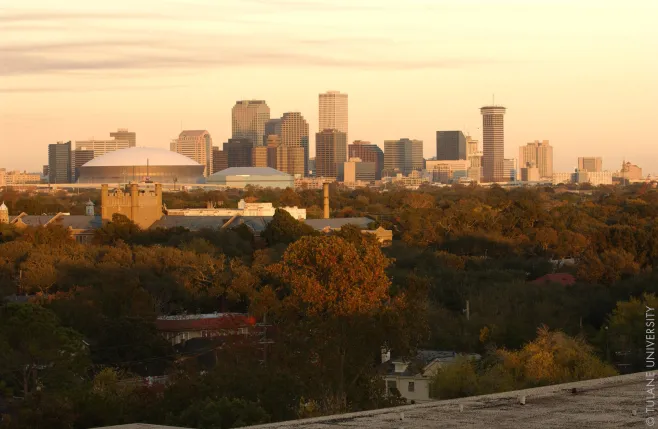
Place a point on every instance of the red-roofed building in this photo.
(564, 279)
(181, 328)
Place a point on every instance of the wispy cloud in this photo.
(24, 90)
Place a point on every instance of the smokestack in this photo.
(325, 190)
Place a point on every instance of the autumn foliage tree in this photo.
(335, 310)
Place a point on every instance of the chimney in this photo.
(325, 191)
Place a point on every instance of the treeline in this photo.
(333, 301)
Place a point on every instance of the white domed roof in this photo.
(140, 156)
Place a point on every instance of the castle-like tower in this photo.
(142, 207)
(4, 213)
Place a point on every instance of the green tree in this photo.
(284, 229)
(36, 352)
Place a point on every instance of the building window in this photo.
(411, 387)
(391, 386)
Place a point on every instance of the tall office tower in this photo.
(273, 143)
(78, 159)
(249, 118)
(259, 156)
(403, 156)
(59, 162)
(124, 134)
(294, 133)
(541, 154)
(450, 145)
(493, 127)
(367, 152)
(290, 159)
(474, 157)
(272, 128)
(239, 152)
(333, 111)
(330, 153)
(219, 159)
(509, 170)
(196, 145)
(101, 147)
(3, 181)
(590, 163)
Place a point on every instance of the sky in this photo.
(582, 74)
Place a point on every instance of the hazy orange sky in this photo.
(582, 74)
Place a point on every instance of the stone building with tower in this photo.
(143, 207)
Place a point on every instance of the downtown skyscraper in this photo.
(330, 153)
(248, 119)
(493, 144)
(333, 112)
(293, 156)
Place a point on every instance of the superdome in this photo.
(140, 156)
(141, 164)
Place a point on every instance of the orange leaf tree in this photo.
(335, 314)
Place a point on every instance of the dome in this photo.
(3, 207)
(139, 156)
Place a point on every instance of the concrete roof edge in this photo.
(536, 392)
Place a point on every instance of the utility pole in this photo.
(264, 341)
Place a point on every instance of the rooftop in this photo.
(192, 133)
(603, 403)
(250, 171)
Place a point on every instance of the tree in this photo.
(284, 229)
(554, 358)
(336, 314)
(455, 380)
(625, 333)
(36, 352)
(119, 229)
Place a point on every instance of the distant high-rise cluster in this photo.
(258, 140)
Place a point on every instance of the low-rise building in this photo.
(356, 171)
(241, 177)
(449, 171)
(530, 173)
(412, 377)
(181, 328)
(17, 178)
(244, 209)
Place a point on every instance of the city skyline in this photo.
(556, 86)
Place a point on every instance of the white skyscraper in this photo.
(333, 111)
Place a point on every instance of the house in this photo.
(181, 328)
(412, 378)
